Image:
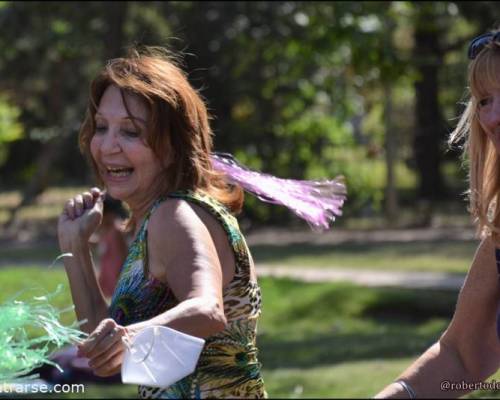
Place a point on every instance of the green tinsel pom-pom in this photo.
(21, 353)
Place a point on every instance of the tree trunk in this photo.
(429, 127)
(391, 194)
(115, 20)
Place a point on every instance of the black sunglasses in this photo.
(480, 42)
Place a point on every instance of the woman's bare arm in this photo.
(81, 216)
(182, 253)
(468, 350)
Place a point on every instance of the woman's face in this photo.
(489, 116)
(127, 165)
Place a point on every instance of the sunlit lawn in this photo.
(442, 256)
(316, 340)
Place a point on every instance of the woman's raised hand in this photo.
(81, 216)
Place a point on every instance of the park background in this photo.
(306, 90)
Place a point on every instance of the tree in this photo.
(45, 46)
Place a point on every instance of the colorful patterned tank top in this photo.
(228, 365)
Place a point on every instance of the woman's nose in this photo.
(109, 143)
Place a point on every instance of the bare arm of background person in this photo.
(81, 216)
(469, 349)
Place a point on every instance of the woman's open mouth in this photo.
(118, 172)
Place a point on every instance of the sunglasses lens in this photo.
(478, 44)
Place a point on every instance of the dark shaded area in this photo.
(396, 317)
(333, 348)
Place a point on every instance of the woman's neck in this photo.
(140, 208)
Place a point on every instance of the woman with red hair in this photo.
(148, 137)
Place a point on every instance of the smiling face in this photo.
(485, 88)
(126, 164)
(488, 112)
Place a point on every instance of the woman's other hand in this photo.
(105, 347)
(80, 218)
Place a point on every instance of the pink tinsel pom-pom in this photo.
(317, 202)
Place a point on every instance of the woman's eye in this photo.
(100, 129)
(484, 102)
(131, 133)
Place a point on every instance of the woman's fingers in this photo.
(78, 205)
(112, 367)
(109, 341)
(106, 336)
(105, 347)
(88, 200)
(90, 344)
(104, 358)
(69, 208)
(96, 192)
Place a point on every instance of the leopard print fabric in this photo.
(228, 366)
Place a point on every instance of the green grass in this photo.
(354, 380)
(312, 325)
(323, 340)
(343, 341)
(359, 379)
(37, 255)
(24, 283)
(441, 256)
(313, 338)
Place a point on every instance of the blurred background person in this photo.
(110, 244)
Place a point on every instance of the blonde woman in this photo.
(468, 352)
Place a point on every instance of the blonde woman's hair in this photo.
(479, 153)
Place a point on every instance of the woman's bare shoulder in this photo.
(484, 262)
(176, 220)
(181, 232)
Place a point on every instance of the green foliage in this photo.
(297, 89)
(10, 127)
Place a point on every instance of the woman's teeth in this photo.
(119, 171)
